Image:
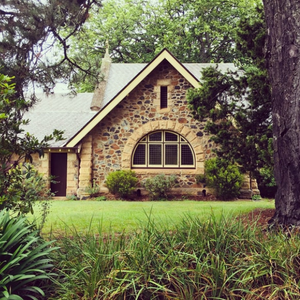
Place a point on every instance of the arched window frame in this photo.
(166, 144)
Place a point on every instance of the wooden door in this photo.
(59, 173)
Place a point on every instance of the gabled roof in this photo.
(110, 103)
(72, 114)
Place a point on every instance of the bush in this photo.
(26, 185)
(224, 177)
(122, 183)
(159, 186)
(266, 182)
(200, 178)
(24, 259)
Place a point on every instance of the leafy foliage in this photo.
(16, 145)
(200, 178)
(122, 182)
(266, 183)
(224, 177)
(26, 186)
(159, 186)
(24, 259)
(237, 105)
(194, 31)
(30, 30)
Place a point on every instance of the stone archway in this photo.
(185, 131)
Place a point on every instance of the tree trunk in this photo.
(283, 50)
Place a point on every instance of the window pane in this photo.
(171, 136)
(186, 155)
(154, 154)
(163, 97)
(140, 155)
(156, 136)
(171, 156)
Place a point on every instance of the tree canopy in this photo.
(194, 31)
(31, 29)
(237, 105)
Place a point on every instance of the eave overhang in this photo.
(163, 55)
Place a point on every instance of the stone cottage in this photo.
(137, 118)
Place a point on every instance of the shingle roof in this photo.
(71, 113)
(122, 73)
(59, 111)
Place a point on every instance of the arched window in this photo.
(163, 149)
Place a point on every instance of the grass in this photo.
(218, 258)
(119, 216)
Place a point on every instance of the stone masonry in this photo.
(115, 138)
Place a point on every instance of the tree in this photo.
(16, 145)
(238, 103)
(29, 30)
(194, 31)
(283, 48)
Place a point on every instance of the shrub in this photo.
(159, 186)
(24, 259)
(200, 178)
(26, 185)
(266, 182)
(122, 183)
(224, 177)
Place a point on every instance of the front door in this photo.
(59, 173)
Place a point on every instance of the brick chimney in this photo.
(100, 88)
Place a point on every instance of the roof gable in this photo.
(110, 104)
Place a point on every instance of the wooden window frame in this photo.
(163, 96)
(180, 141)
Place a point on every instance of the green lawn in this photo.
(123, 215)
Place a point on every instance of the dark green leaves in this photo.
(24, 259)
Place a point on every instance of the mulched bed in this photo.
(259, 215)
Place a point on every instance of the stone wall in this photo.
(42, 164)
(139, 113)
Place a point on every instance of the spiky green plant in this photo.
(24, 259)
(216, 259)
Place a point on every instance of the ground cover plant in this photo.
(120, 216)
(216, 258)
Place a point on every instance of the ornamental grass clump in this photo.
(216, 259)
